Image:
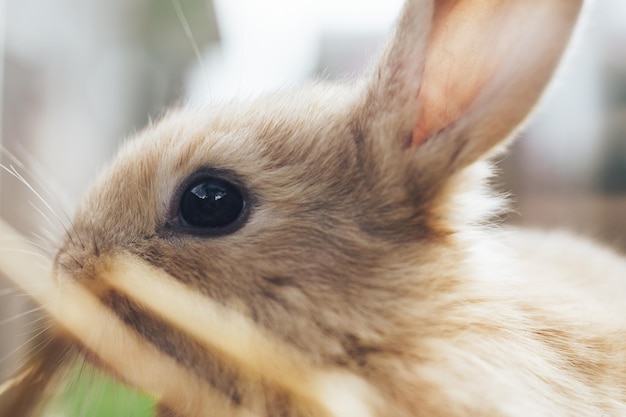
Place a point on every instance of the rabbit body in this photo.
(362, 255)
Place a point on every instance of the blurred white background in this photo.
(78, 76)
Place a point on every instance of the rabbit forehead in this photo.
(283, 130)
(281, 127)
(272, 139)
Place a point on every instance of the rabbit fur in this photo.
(367, 256)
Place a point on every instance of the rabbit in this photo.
(329, 250)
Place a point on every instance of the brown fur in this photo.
(363, 253)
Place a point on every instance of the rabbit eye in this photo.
(211, 203)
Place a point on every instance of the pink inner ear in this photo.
(463, 55)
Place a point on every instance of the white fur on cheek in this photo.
(345, 395)
(329, 392)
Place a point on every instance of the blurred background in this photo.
(78, 76)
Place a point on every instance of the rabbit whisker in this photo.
(20, 315)
(21, 347)
(13, 171)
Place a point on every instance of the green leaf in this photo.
(89, 392)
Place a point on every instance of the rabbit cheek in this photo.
(173, 342)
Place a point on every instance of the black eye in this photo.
(211, 203)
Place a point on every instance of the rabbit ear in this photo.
(460, 75)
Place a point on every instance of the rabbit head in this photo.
(342, 210)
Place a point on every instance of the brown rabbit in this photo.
(325, 251)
